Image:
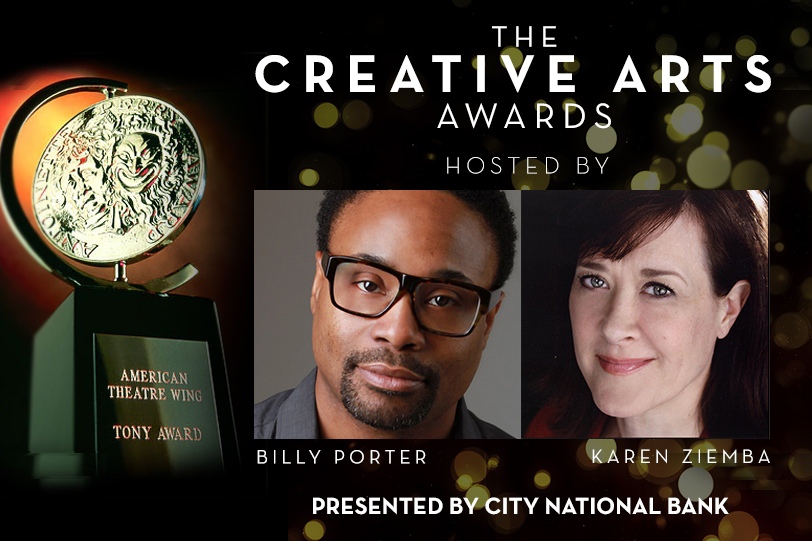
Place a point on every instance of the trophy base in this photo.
(129, 387)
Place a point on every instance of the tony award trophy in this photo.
(128, 382)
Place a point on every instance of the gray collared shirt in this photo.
(291, 415)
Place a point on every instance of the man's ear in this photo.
(318, 281)
(490, 317)
(732, 305)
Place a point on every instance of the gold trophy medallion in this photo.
(119, 181)
(116, 183)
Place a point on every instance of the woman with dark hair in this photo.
(668, 307)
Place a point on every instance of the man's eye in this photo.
(440, 301)
(368, 286)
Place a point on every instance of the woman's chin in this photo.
(618, 406)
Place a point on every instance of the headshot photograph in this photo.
(645, 314)
(387, 314)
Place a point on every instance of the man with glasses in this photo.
(406, 290)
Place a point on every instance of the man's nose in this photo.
(399, 327)
(620, 318)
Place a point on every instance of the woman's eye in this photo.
(658, 290)
(593, 282)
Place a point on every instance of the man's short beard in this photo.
(383, 417)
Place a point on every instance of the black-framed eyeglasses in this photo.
(368, 289)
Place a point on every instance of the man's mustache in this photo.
(385, 356)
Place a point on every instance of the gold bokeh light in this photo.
(601, 140)
(356, 114)
(645, 180)
(799, 37)
(514, 55)
(686, 119)
(695, 484)
(325, 115)
(745, 47)
(542, 479)
(472, 463)
(708, 166)
(314, 530)
(738, 526)
(750, 175)
(791, 330)
(530, 174)
(800, 464)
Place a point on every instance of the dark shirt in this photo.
(291, 414)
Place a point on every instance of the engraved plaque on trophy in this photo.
(128, 381)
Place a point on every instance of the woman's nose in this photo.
(620, 318)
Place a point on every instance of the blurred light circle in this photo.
(472, 463)
(708, 166)
(542, 479)
(514, 55)
(407, 98)
(707, 74)
(567, 101)
(717, 138)
(325, 115)
(700, 451)
(509, 522)
(780, 280)
(738, 526)
(356, 114)
(734, 496)
(531, 174)
(665, 44)
(686, 119)
(464, 482)
(661, 471)
(601, 140)
(583, 459)
(797, 513)
(317, 168)
(478, 494)
(750, 175)
(791, 330)
(645, 180)
(800, 123)
(695, 484)
(803, 58)
(745, 47)
(314, 530)
(309, 177)
(800, 464)
(806, 288)
(600, 448)
(697, 100)
(664, 169)
(799, 37)
(674, 135)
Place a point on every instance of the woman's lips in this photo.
(390, 378)
(622, 367)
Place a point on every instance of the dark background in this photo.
(256, 141)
